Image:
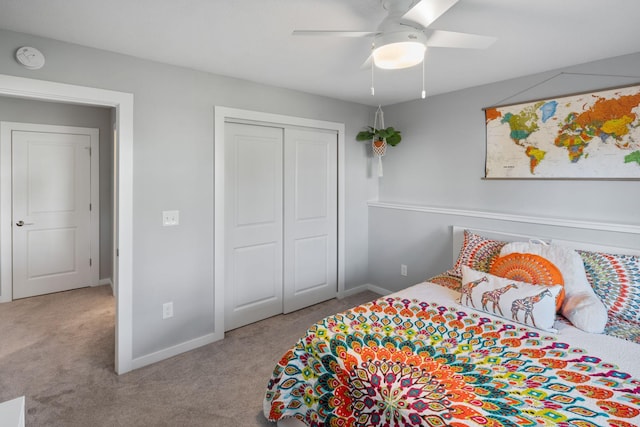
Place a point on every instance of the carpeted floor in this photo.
(57, 350)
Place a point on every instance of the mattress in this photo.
(417, 357)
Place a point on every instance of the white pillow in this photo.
(531, 305)
(581, 305)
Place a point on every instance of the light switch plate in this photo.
(167, 310)
(170, 218)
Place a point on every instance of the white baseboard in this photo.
(365, 287)
(107, 281)
(166, 353)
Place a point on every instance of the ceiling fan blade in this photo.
(333, 33)
(427, 11)
(439, 38)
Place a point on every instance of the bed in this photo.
(459, 349)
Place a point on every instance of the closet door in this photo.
(253, 223)
(310, 217)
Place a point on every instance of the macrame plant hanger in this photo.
(379, 146)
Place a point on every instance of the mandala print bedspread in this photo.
(401, 362)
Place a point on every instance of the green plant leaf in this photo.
(364, 136)
(394, 139)
(390, 134)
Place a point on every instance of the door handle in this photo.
(21, 223)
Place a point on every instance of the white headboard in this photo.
(458, 239)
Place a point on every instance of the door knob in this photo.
(21, 223)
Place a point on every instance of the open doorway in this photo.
(61, 164)
(122, 167)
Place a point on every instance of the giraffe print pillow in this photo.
(531, 305)
(581, 305)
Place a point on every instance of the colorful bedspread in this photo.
(403, 361)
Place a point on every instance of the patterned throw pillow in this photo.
(581, 304)
(616, 280)
(446, 280)
(477, 252)
(532, 305)
(529, 268)
(623, 329)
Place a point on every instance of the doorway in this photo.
(123, 189)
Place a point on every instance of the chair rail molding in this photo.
(560, 222)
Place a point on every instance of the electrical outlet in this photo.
(403, 269)
(170, 218)
(167, 310)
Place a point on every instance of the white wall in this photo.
(440, 162)
(30, 111)
(173, 169)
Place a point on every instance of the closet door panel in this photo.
(311, 162)
(311, 260)
(310, 217)
(257, 275)
(254, 223)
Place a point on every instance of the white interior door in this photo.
(253, 223)
(51, 175)
(310, 217)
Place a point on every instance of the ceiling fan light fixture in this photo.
(394, 51)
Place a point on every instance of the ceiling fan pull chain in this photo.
(373, 91)
(424, 92)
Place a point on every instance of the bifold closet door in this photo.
(281, 223)
(310, 217)
(253, 223)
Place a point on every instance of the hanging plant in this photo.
(391, 135)
(380, 137)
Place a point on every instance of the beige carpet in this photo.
(57, 350)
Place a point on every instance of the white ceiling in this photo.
(251, 39)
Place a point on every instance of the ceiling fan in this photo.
(401, 39)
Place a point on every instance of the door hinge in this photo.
(90, 262)
(90, 207)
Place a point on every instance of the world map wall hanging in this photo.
(586, 136)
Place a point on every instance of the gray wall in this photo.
(173, 169)
(422, 241)
(440, 162)
(50, 113)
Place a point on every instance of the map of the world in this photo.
(594, 135)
